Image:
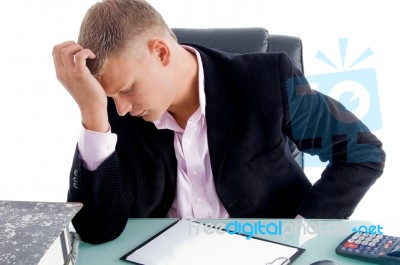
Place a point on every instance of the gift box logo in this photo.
(355, 90)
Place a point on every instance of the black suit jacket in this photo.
(254, 105)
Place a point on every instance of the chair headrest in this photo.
(233, 40)
(243, 40)
(289, 44)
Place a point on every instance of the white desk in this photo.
(319, 246)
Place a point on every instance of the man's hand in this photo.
(70, 64)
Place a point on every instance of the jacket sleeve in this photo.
(106, 198)
(320, 125)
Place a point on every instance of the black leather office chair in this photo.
(247, 40)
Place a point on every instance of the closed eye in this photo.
(127, 91)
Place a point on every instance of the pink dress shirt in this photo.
(195, 195)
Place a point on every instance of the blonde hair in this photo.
(110, 25)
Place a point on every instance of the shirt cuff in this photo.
(95, 147)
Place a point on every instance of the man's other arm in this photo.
(321, 126)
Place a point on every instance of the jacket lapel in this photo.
(164, 142)
(220, 110)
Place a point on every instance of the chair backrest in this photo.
(247, 40)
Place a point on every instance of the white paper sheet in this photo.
(189, 242)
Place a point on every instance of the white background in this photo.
(40, 122)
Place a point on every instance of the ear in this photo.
(159, 48)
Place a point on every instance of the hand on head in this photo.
(72, 72)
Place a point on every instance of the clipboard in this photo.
(188, 242)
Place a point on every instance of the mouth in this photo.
(138, 114)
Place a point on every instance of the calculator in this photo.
(375, 248)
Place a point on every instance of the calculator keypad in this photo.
(368, 244)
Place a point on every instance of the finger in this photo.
(57, 54)
(63, 44)
(82, 56)
(68, 53)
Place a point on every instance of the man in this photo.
(207, 132)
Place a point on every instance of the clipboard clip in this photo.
(285, 261)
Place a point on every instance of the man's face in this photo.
(140, 85)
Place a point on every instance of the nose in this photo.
(123, 106)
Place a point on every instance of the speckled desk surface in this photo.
(28, 229)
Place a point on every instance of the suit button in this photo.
(76, 186)
(75, 179)
(76, 173)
